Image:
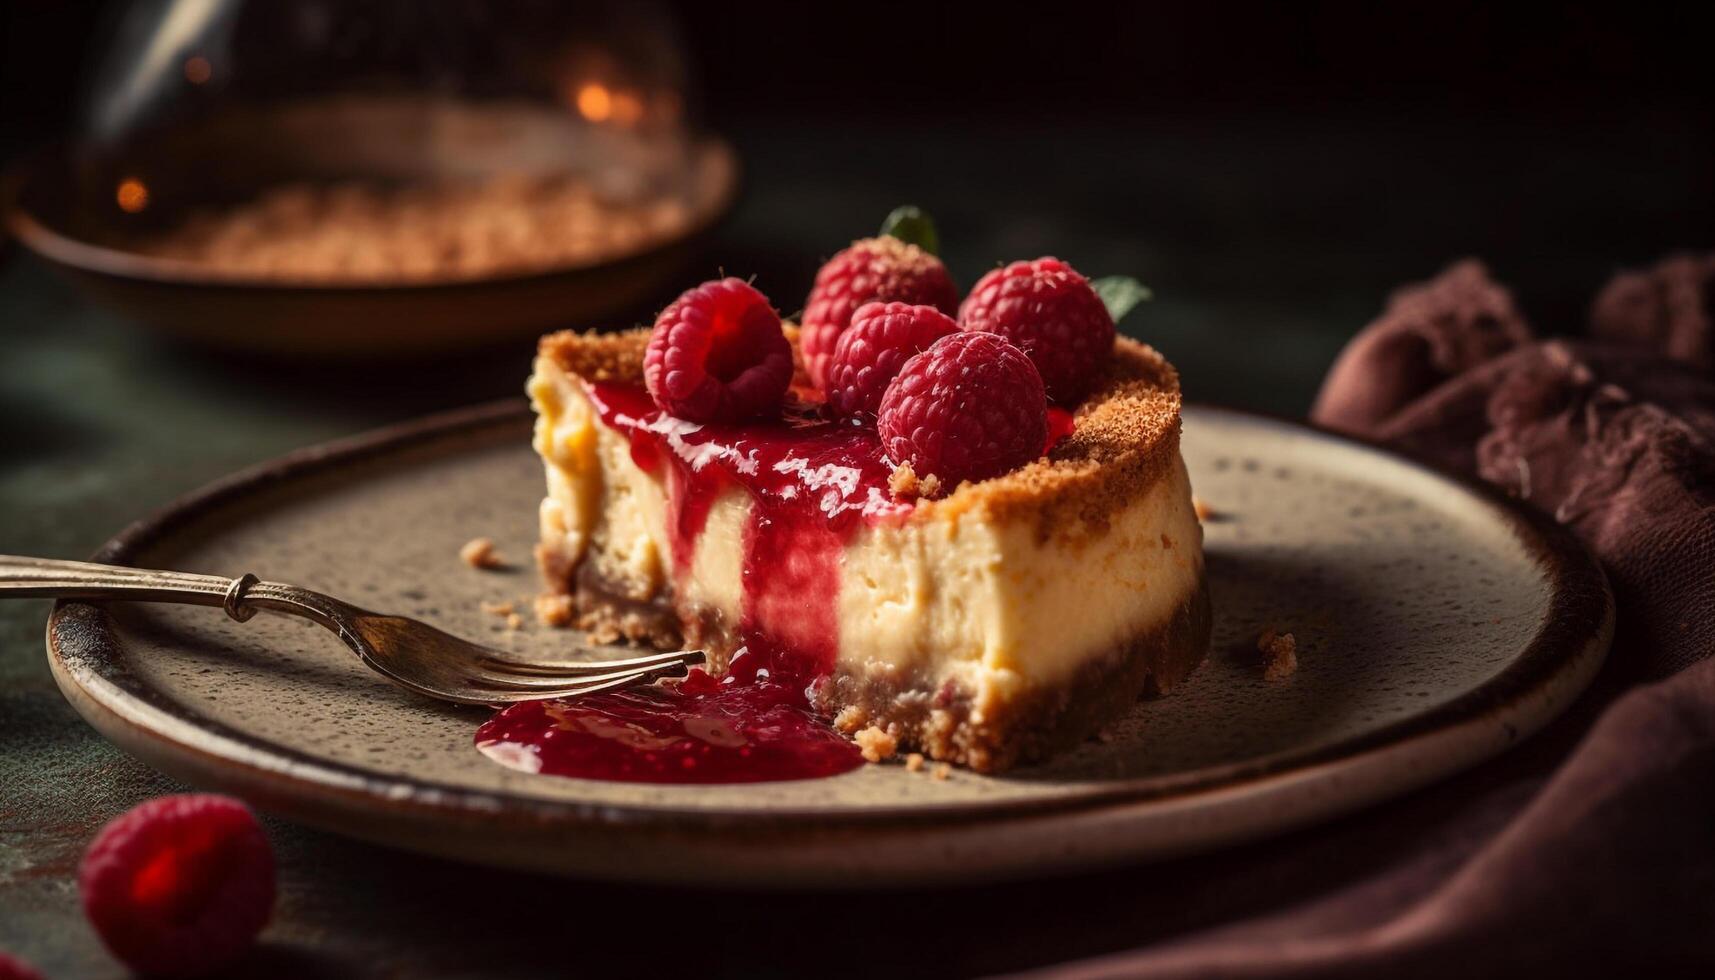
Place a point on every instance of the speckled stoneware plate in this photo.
(1437, 625)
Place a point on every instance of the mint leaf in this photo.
(1120, 293)
(910, 225)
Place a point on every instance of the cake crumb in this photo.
(1201, 507)
(851, 718)
(505, 608)
(604, 634)
(941, 772)
(1280, 654)
(914, 762)
(480, 553)
(514, 622)
(876, 744)
(904, 482)
(554, 610)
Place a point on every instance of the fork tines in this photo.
(582, 677)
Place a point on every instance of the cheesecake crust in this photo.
(1037, 723)
(940, 720)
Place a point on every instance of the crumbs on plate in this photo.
(480, 553)
(554, 609)
(1280, 654)
(876, 744)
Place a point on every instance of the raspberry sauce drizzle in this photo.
(1060, 425)
(813, 483)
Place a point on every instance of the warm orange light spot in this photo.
(595, 102)
(132, 195)
(197, 69)
(627, 108)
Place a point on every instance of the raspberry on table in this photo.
(970, 407)
(13, 968)
(180, 885)
(882, 336)
(1049, 311)
(870, 270)
(718, 354)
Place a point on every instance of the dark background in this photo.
(1283, 164)
(1476, 63)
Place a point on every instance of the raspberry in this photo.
(1052, 314)
(717, 354)
(180, 885)
(881, 338)
(884, 270)
(13, 968)
(968, 408)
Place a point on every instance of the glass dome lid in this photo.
(369, 142)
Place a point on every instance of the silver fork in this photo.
(410, 653)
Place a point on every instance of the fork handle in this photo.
(22, 577)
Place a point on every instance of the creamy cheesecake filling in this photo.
(940, 591)
(988, 603)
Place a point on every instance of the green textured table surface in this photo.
(1267, 245)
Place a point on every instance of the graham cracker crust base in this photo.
(937, 720)
(1038, 723)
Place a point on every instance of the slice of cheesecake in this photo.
(998, 624)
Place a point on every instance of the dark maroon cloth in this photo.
(1665, 309)
(1431, 332)
(1591, 849)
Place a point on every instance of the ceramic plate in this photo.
(1437, 624)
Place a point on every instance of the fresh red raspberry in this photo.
(180, 885)
(13, 968)
(881, 338)
(717, 354)
(1052, 314)
(884, 270)
(968, 408)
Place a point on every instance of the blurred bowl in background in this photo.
(89, 216)
(356, 178)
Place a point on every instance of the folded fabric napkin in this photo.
(1592, 847)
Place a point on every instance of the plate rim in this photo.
(1577, 627)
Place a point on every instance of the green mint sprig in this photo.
(1120, 293)
(910, 225)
